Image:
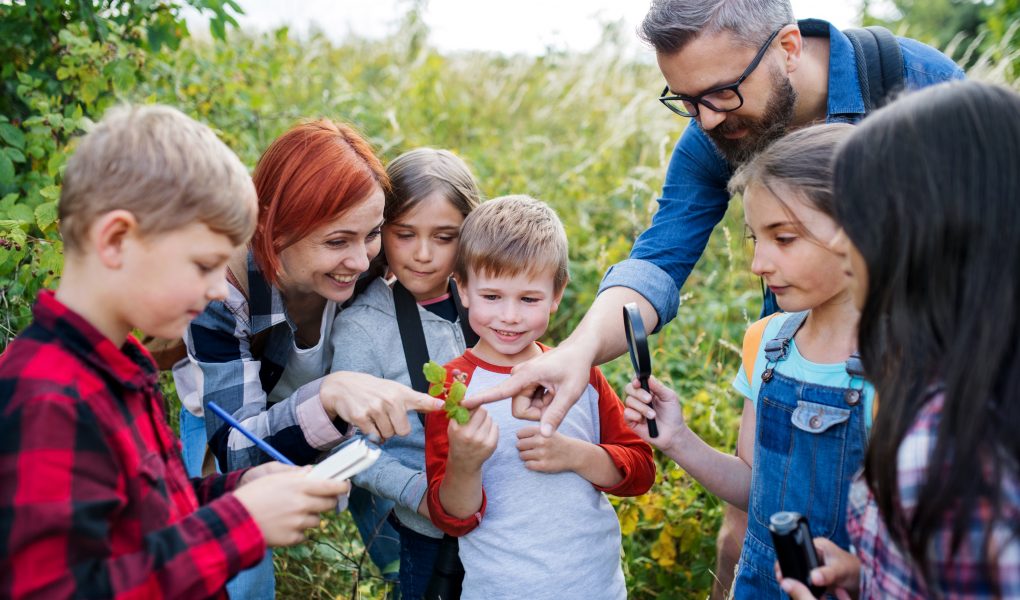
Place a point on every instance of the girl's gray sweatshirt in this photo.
(366, 339)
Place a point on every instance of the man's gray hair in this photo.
(672, 24)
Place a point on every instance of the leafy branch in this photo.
(435, 374)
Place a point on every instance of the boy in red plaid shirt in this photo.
(94, 500)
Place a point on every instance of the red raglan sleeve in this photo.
(437, 449)
(631, 455)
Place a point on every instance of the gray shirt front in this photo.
(544, 536)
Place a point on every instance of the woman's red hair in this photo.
(313, 173)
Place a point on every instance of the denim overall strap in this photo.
(778, 347)
(809, 441)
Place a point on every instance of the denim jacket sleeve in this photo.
(221, 368)
(924, 65)
(694, 200)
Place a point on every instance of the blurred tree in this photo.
(64, 62)
(972, 30)
(934, 22)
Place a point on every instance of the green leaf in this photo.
(46, 215)
(50, 192)
(52, 258)
(6, 169)
(218, 28)
(459, 414)
(435, 389)
(457, 391)
(434, 372)
(21, 214)
(122, 74)
(15, 155)
(12, 135)
(54, 163)
(90, 89)
(17, 235)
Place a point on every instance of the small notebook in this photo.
(346, 462)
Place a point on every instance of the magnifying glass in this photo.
(637, 343)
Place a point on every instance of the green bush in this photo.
(64, 64)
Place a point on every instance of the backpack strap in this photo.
(879, 64)
(416, 354)
(470, 337)
(412, 336)
(752, 341)
(778, 347)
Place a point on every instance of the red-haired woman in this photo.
(263, 354)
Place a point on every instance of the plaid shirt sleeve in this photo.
(63, 487)
(222, 369)
(962, 572)
(212, 487)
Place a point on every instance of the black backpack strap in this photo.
(412, 336)
(470, 337)
(448, 573)
(879, 64)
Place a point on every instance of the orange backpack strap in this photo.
(752, 341)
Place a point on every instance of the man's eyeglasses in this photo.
(724, 98)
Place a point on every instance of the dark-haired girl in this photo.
(928, 192)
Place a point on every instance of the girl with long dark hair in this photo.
(928, 192)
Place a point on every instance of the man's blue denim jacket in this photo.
(694, 196)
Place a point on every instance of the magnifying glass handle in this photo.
(653, 429)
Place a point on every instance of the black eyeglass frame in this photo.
(700, 98)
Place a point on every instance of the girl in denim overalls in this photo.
(807, 407)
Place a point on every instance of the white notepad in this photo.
(346, 462)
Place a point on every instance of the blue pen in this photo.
(251, 436)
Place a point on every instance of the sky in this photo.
(521, 26)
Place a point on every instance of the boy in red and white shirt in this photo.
(530, 510)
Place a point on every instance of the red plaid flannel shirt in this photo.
(94, 500)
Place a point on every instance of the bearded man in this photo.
(746, 72)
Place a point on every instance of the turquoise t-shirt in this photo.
(795, 366)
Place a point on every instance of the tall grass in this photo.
(580, 131)
(583, 132)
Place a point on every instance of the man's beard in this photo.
(761, 132)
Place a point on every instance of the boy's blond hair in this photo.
(511, 235)
(165, 168)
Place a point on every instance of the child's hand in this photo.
(661, 404)
(262, 470)
(840, 574)
(474, 442)
(552, 454)
(285, 504)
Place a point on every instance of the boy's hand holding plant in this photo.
(473, 435)
(435, 374)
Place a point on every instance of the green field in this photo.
(581, 131)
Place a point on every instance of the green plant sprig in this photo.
(435, 374)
